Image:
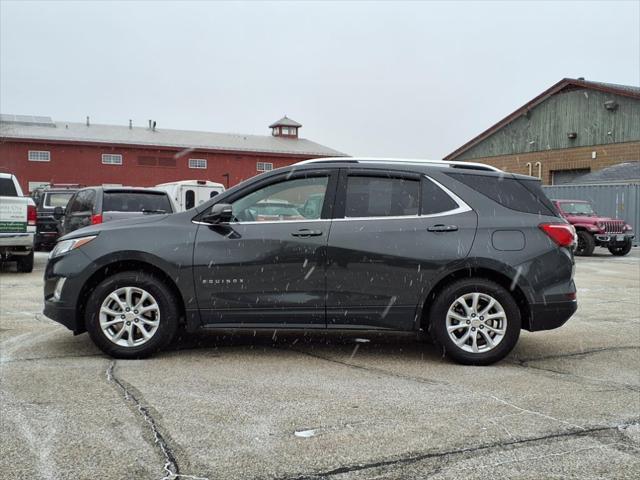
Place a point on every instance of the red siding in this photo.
(82, 163)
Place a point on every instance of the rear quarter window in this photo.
(135, 202)
(520, 195)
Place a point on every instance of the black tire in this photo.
(620, 251)
(168, 311)
(586, 244)
(25, 263)
(444, 301)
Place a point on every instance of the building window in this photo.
(264, 167)
(197, 163)
(111, 159)
(39, 156)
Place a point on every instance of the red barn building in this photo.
(40, 151)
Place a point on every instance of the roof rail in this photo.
(437, 163)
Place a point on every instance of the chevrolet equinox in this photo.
(460, 252)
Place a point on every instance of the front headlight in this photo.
(627, 227)
(67, 245)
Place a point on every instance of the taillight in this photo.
(561, 233)
(32, 215)
(96, 219)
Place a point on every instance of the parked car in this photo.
(17, 224)
(186, 194)
(462, 252)
(595, 231)
(48, 228)
(96, 205)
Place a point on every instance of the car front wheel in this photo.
(476, 321)
(621, 250)
(586, 244)
(131, 315)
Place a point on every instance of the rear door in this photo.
(79, 210)
(392, 233)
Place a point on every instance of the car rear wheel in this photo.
(586, 244)
(476, 321)
(131, 315)
(25, 263)
(621, 250)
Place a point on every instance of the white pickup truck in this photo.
(17, 224)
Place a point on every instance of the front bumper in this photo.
(547, 316)
(613, 238)
(72, 266)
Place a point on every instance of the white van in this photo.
(187, 194)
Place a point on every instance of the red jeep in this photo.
(593, 230)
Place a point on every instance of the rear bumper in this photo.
(551, 315)
(9, 240)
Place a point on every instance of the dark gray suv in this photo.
(462, 252)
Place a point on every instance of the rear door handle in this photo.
(443, 228)
(305, 233)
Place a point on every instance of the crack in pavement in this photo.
(54, 357)
(171, 467)
(414, 458)
(437, 382)
(577, 354)
(583, 379)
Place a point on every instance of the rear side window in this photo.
(369, 196)
(7, 188)
(57, 199)
(435, 200)
(520, 195)
(189, 199)
(82, 202)
(135, 202)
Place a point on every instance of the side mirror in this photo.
(220, 213)
(58, 213)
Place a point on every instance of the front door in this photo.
(267, 268)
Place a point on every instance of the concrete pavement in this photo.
(565, 403)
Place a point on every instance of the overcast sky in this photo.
(384, 79)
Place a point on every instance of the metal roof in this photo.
(285, 122)
(628, 172)
(564, 84)
(186, 139)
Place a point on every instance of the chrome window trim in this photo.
(462, 208)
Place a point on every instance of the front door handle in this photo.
(305, 233)
(443, 228)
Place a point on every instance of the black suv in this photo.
(459, 251)
(95, 205)
(48, 228)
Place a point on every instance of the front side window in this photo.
(369, 196)
(297, 199)
(39, 156)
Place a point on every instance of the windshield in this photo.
(577, 208)
(57, 199)
(136, 202)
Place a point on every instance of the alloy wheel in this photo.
(129, 316)
(476, 322)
